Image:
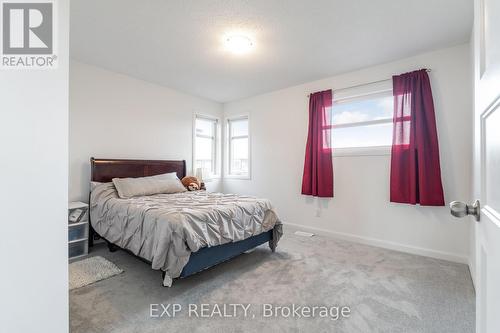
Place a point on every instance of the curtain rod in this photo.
(364, 84)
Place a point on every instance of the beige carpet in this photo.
(387, 291)
(90, 270)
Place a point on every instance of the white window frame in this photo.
(227, 150)
(361, 151)
(216, 154)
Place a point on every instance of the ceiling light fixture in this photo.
(239, 44)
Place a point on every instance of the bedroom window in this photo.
(238, 147)
(362, 121)
(206, 145)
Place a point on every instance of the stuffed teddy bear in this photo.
(191, 183)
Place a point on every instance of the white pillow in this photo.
(133, 187)
(93, 185)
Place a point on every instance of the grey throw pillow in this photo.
(134, 187)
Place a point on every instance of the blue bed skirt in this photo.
(210, 256)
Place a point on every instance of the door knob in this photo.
(461, 209)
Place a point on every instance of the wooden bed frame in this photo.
(104, 170)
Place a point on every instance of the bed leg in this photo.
(112, 247)
(91, 236)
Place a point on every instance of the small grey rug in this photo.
(90, 270)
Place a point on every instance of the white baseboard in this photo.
(472, 273)
(384, 244)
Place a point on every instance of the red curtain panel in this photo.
(415, 168)
(317, 179)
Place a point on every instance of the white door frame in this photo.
(486, 181)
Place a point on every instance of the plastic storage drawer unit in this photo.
(77, 249)
(77, 232)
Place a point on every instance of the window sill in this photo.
(362, 151)
(239, 177)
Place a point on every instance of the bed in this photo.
(182, 233)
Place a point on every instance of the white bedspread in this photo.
(165, 228)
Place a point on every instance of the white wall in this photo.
(116, 116)
(34, 178)
(361, 209)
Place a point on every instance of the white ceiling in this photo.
(178, 43)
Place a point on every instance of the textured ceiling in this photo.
(178, 44)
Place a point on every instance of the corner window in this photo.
(206, 145)
(362, 121)
(238, 147)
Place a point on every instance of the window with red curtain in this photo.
(317, 179)
(415, 167)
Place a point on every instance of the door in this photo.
(487, 163)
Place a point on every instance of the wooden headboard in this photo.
(104, 170)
